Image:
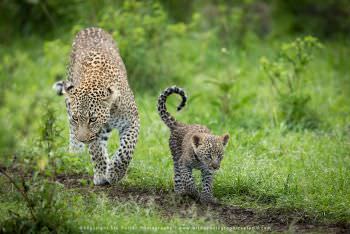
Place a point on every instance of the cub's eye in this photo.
(75, 118)
(92, 119)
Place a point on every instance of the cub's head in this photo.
(88, 108)
(209, 149)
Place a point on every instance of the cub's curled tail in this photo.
(169, 120)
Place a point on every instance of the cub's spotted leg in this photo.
(178, 187)
(207, 184)
(188, 181)
(119, 163)
(99, 157)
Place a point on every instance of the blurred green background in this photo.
(274, 74)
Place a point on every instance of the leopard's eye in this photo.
(92, 119)
(75, 118)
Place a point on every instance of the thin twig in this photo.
(23, 193)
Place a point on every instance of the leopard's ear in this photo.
(112, 94)
(68, 88)
(63, 87)
(225, 139)
(196, 141)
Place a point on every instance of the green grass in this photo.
(265, 165)
(96, 213)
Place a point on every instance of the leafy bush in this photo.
(324, 18)
(44, 17)
(49, 142)
(286, 76)
(237, 22)
(46, 210)
(230, 99)
(141, 30)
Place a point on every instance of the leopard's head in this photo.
(209, 149)
(88, 108)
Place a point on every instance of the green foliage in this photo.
(56, 54)
(50, 131)
(237, 23)
(179, 10)
(287, 79)
(50, 156)
(7, 142)
(326, 18)
(46, 210)
(49, 142)
(141, 30)
(43, 17)
(229, 100)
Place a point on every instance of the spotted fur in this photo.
(192, 147)
(98, 99)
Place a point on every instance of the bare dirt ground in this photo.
(231, 216)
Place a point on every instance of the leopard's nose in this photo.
(82, 139)
(82, 136)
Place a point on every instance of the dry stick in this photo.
(24, 194)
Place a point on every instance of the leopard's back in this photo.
(95, 55)
(95, 65)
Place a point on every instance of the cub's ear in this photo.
(196, 141)
(63, 87)
(112, 94)
(225, 139)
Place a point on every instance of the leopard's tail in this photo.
(169, 120)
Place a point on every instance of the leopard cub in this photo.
(192, 147)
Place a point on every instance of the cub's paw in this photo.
(208, 199)
(100, 180)
(179, 191)
(192, 194)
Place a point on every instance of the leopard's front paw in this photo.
(100, 179)
(112, 177)
(207, 198)
(178, 190)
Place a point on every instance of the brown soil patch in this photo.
(231, 216)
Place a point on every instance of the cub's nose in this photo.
(215, 165)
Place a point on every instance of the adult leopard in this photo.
(98, 99)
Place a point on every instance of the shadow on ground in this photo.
(231, 216)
